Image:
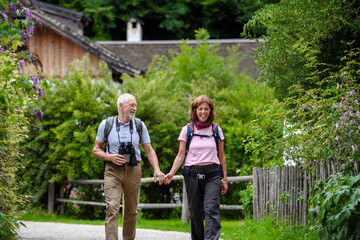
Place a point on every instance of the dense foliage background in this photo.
(74, 106)
(166, 19)
(310, 57)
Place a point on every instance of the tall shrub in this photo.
(318, 125)
(60, 148)
(311, 57)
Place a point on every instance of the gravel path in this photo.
(63, 231)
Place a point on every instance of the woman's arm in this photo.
(224, 184)
(179, 159)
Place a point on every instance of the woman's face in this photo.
(203, 112)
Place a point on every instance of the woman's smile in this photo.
(203, 112)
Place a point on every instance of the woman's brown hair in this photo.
(194, 105)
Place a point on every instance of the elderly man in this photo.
(122, 159)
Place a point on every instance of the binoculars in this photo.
(128, 148)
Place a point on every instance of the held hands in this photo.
(159, 176)
(168, 178)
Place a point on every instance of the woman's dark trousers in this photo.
(204, 202)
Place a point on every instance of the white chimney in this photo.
(134, 30)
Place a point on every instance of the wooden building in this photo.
(60, 40)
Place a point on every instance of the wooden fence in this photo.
(280, 191)
(184, 204)
(284, 191)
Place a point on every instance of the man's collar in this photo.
(122, 123)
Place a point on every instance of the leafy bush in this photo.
(246, 198)
(60, 147)
(334, 207)
(16, 93)
(315, 125)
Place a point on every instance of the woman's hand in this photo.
(224, 187)
(168, 178)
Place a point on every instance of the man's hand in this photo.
(117, 159)
(159, 176)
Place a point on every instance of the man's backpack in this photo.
(109, 123)
(190, 134)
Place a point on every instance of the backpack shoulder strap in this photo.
(189, 135)
(138, 124)
(215, 128)
(108, 125)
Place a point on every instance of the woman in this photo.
(205, 165)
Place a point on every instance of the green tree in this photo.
(16, 93)
(166, 19)
(295, 29)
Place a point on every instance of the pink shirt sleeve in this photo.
(183, 133)
(202, 150)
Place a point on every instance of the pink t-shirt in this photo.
(202, 150)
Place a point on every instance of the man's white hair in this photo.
(123, 98)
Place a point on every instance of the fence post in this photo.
(255, 194)
(62, 196)
(185, 213)
(51, 197)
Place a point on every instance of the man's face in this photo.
(129, 108)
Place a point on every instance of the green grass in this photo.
(266, 229)
(41, 216)
(270, 229)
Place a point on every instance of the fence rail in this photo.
(283, 191)
(183, 205)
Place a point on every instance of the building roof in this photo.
(50, 16)
(60, 12)
(141, 54)
(135, 19)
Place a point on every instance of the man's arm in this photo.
(153, 159)
(100, 154)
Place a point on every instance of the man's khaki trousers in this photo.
(124, 179)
